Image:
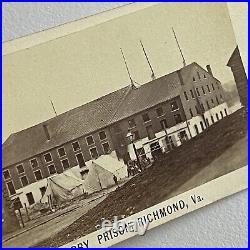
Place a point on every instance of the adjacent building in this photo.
(161, 114)
(239, 73)
(10, 222)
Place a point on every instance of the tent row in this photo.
(72, 183)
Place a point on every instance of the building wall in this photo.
(210, 94)
(240, 77)
(9, 220)
(119, 138)
(191, 123)
(43, 166)
(205, 81)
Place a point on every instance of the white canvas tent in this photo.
(101, 173)
(69, 184)
(64, 186)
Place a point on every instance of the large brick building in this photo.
(239, 73)
(161, 113)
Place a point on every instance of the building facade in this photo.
(161, 114)
(239, 73)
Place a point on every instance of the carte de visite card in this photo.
(120, 122)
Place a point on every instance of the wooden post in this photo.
(27, 212)
(21, 217)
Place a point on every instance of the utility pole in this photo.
(149, 64)
(179, 47)
(53, 107)
(126, 65)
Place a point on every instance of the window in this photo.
(208, 106)
(203, 90)
(145, 117)
(30, 198)
(93, 153)
(164, 124)
(20, 169)
(207, 122)
(76, 146)
(217, 117)
(192, 93)
(52, 169)
(141, 153)
(212, 100)
(65, 164)
(193, 79)
(191, 112)
(202, 126)
(205, 76)
(197, 91)
(34, 163)
(90, 140)
(202, 107)
(102, 135)
(24, 181)
(221, 114)
(213, 86)
(217, 100)
(196, 129)
(106, 148)
(221, 97)
(48, 157)
(136, 135)
(11, 187)
(186, 96)
(208, 88)
(212, 119)
(43, 190)
(225, 110)
(61, 152)
(174, 106)
(197, 110)
(177, 118)
(159, 111)
(6, 174)
(183, 136)
(131, 123)
(38, 175)
(198, 75)
(80, 160)
(150, 132)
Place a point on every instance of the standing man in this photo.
(115, 180)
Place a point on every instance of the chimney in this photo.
(180, 77)
(46, 131)
(209, 70)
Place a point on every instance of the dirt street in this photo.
(195, 162)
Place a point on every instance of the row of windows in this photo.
(150, 131)
(203, 127)
(199, 76)
(65, 164)
(198, 91)
(202, 106)
(159, 112)
(61, 152)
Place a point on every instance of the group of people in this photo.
(134, 167)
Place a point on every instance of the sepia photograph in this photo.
(115, 113)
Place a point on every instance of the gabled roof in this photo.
(92, 116)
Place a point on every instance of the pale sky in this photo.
(83, 66)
